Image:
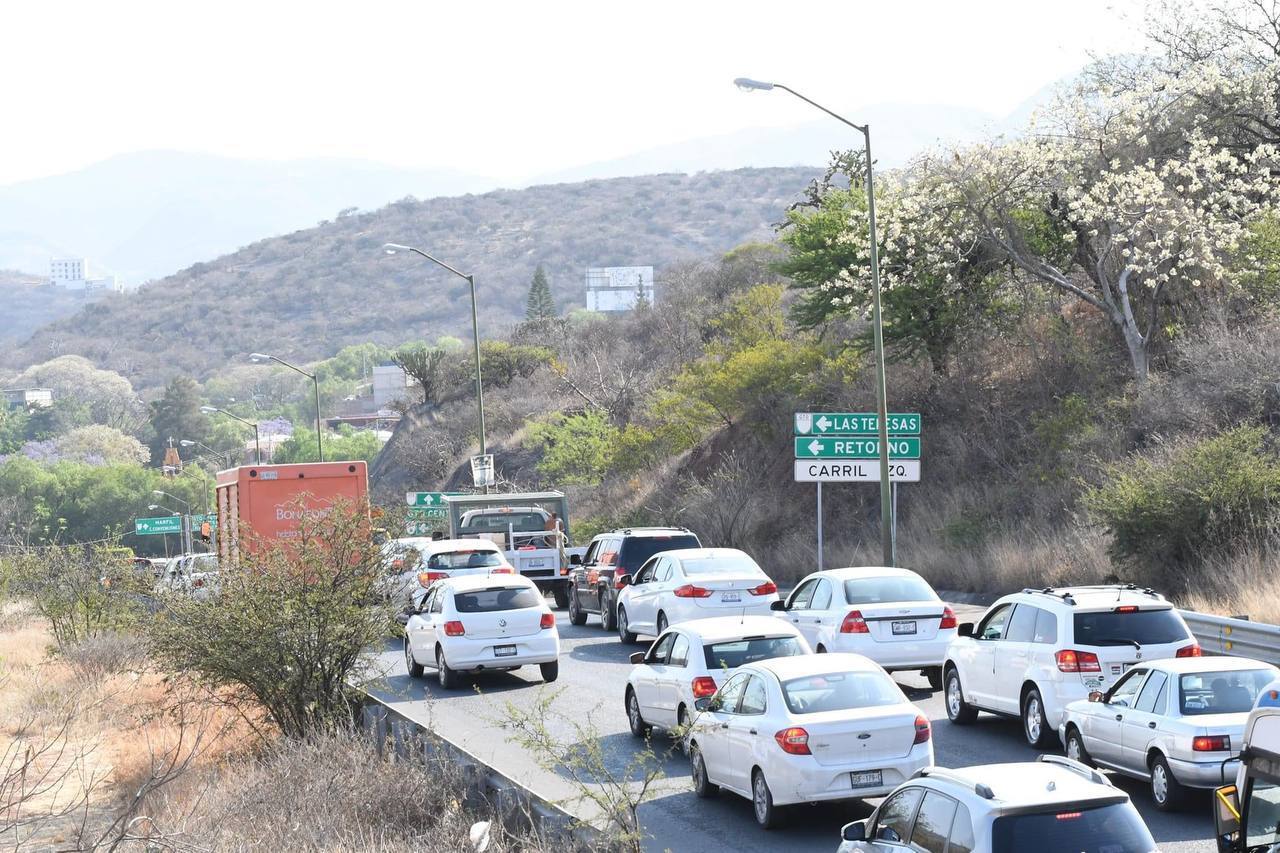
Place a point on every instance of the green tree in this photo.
(577, 450)
(346, 445)
(177, 415)
(502, 362)
(540, 304)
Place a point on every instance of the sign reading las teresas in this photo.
(854, 423)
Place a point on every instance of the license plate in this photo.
(504, 651)
(730, 596)
(539, 563)
(906, 626)
(866, 779)
(1093, 683)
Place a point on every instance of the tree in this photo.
(540, 305)
(110, 397)
(577, 450)
(426, 366)
(98, 444)
(177, 415)
(346, 445)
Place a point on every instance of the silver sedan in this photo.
(1177, 723)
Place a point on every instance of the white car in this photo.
(890, 615)
(1036, 651)
(691, 660)
(1178, 724)
(195, 575)
(691, 583)
(414, 563)
(1053, 805)
(481, 624)
(804, 729)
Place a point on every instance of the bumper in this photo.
(685, 610)
(1203, 774)
(806, 781)
(907, 654)
(464, 654)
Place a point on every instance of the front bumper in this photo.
(465, 654)
(1203, 774)
(804, 780)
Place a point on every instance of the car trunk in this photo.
(502, 623)
(907, 621)
(729, 593)
(837, 738)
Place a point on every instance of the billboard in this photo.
(618, 288)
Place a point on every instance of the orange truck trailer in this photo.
(266, 502)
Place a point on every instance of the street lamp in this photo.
(882, 416)
(257, 445)
(259, 358)
(186, 519)
(186, 442)
(391, 249)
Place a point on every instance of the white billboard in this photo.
(618, 288)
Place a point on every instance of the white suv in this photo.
(1053, 805)
(1038, 650)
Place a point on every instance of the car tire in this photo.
(576, 614)
(608, 614)
(449, 680)
(1035, 726)
(639, 728)
(1167, 792)
(415, 668)
(561, 595)
(550, 671)
(934, 674)
(662, 622)
(767, 814)
(623, 634)
(1074, 747)
(702, 786)
(959, 711)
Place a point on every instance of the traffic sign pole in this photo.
(820, 564)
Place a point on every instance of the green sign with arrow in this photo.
(157, 526)
(855, 448)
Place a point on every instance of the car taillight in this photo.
(548, 621)
(766, 588)
(198, 582)
(454, 629)
(504, 570)
(1128, 608)
(704, 686)
(1070, 660)
(617, 581)
(428, 578)
(1069, 815)
(854, 623)
(1191, 651)
(948, 619)
(691, 591)
(922, 729)
(1212, 743)
(794, 741)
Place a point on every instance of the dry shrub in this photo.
(106, 654)
(1241, 584)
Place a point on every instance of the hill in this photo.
(30, 303)
(309, 293)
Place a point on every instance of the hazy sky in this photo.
(500, 89)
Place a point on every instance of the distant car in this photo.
(413, 563)
(594, 583)
(691, 660)
(890, 615)
(1178, 724)
(693, 583)
(189, 574)
(480, 624)
(806, 729)
(1053, 805)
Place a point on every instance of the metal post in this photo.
(895, 524)
(475, 326)
(257, 445)
(315, 380)
(882, 413)
(820, 563)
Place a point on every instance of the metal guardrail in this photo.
(1223, 635)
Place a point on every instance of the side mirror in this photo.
(965, 629)
(856, 831)
(623, 580)
(1095, 695)
(779, 605)
(703, 704)
(575, 559)
(1226, 815)
(637, 657)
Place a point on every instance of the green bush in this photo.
(577, 450)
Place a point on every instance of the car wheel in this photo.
(639, 727)
(1074, 747)
(959, 711)
(934, 674)
(608, 615)
(561, 595)
(768, 815)
(623, 634)
(662, 622)
(415, 668)
(684, 724)
(550, 671)
(1034, 724)
(576, 616)
(1168, 793)
(448, 678)
(702, 786)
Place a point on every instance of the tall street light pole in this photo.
(882, 415)
(257, 444)
(391, 249)
(224, 456)
(186, 519)
(258, 358)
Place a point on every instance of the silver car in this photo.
(1177, 723)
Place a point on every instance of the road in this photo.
(593, 673)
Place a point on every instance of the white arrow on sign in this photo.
(823, 423)
(815, 447)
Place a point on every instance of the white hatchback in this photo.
(804, 729)
(691, 583)
(690, 661)
(890, 615)
(480, 624)
(414, 563)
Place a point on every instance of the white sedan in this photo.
(414, 563)
(691, 583)
(481, 624)
(690, 661)
(804, 729)
(890, 615)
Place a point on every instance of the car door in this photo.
(931, 829)
(891, 828)
(647, 676)
(586, 575)
(817, 616)
(1141, 725)
(671, 681)
(744, 731)
(798, 604)
(417, 628)
(978, 674)
(642, 609)
(712, 728)
(1102, 739)
(1013, 657)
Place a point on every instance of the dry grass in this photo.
(1243, 584)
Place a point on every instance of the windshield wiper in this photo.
(1118, 641)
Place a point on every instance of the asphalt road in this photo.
(593, 673)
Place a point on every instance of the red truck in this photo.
(269, 501)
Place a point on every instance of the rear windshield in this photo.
(467, 559)
(720, 566)
(877, 590)
(640, 548)
(496, 522)
(1145, 627)
(495, 599)
(738, 652)
(1109, 829)
(840, 691)
(1222, 692)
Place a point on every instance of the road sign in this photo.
(157, 526)
(198, 519)
(426, 499)
(855, 448)
(482, 473)
(854, 423)
(855, 471)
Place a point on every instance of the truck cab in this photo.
(1247, 812)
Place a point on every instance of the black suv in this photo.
(593, 583)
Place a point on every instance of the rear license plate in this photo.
(730, 596)
(539, 563)
(866, 779)
(504, 651)
(906, 626)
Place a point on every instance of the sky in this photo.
(502, 89)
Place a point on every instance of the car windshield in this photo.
(840, 691)
(877, 590)
(496, 522)
(1263, 829)
(734, 653)
(1222, 692)
(1145, 627)
(1114, 828)
(638, 549)
(496, 598)
(734, 565)
(472, 558)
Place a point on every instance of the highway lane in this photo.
(593, 672)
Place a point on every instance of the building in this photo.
(73, 274)
(618, 288)
(390, 385)
(27, 399)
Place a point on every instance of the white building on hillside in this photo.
(73, 274)
(618, 288)
(390, 385)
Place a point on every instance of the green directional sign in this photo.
(157, 526)
(855, 448)
(426, 506)
(854, 423)
(198, 519)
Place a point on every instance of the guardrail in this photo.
(1224, 635)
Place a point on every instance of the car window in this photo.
(1222, 692)
(662, 571)
(496, 599)
(424, 604)
(892, 588)
(840, 691)
(592, 550)
(962, 831)
(645, 573)
(636, 549)
(753, 697)
(1109, 828)
(1162, 700)
(437, 603)
(1023, 624)
(731, 654)
(821, 596)
(726, 701)
(992, 627)
(661, 649)
(893, 823)
(1046, 627)
(933, 823)
(467, 558)
(680, 651)
(803, 595)
(1153, 688)
(1126, 688)
(1116, 628)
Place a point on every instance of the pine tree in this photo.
(540, 305)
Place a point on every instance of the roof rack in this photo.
(626, 531)
(1075, 767)
(1067, 596)
(980, 788)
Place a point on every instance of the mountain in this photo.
(29, 302)
(306, 294)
